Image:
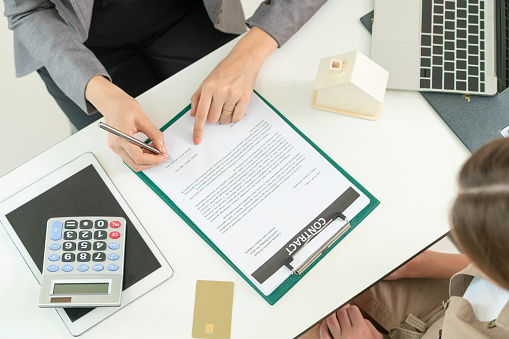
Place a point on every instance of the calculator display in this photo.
(77, 288)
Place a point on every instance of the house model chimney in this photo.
(335, 66)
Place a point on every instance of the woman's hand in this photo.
(348, 323)
(124, 113)
(225, 93)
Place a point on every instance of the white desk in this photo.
(408, 159)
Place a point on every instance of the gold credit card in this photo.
(213, 309)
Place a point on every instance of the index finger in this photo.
(355, 316)
(324, 331)
(201, 117)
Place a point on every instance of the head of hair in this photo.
(480, 214)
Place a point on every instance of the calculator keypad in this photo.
(85, 245)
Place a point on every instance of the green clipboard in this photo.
(293, 279)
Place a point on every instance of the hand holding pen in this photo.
(133, 141)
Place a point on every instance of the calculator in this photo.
(83, 262)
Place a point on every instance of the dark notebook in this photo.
(474, 119)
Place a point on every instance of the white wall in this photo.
(30, 120)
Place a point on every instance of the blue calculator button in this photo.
(113, 256)
(67, 268)
(112, 267)
(98, 267)
(54, 257)
(54, 246)
(83, 268)
(56, 230)
(52, 268)
(114, 245)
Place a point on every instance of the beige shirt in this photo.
(459, 321)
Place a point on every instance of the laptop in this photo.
(448, 46)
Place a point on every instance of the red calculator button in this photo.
(115, 224)
(114, 235)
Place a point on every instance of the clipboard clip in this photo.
(316, 254)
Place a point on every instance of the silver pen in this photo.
(130, 139)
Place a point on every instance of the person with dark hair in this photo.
(418, 301)
(97, 55)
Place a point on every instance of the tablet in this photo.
(82, 188)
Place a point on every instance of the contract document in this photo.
(257, 189)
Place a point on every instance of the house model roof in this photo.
(357, 69)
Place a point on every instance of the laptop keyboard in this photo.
(453, 45)
(507, 40)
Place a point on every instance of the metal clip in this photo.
(316, 254)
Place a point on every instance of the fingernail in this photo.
(196, 140)
(163, 149)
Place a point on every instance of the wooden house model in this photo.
(350, 83)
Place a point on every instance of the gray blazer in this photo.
(50, 33)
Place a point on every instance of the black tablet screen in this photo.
(82, 194)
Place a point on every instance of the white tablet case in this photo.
(128, 295)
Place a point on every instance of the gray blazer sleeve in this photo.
(48, 39)
(283, 18)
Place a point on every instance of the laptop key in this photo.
(473, 39)
(449, 66)
(449, 45)
(473, 84)
(425, 72)
(461, 64)
(436, 78)
(462, 3)
(427, 6)
(449, 81)
(449, 5)
(425, 62)
(426, 40)
(450, 15)
(449, 56)
(472, 70)
(425, 83)
(461, 86)
(461, 75)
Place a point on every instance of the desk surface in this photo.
(408, 159)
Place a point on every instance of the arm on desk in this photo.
(432, 265)
(230, 85)
(124, 113)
